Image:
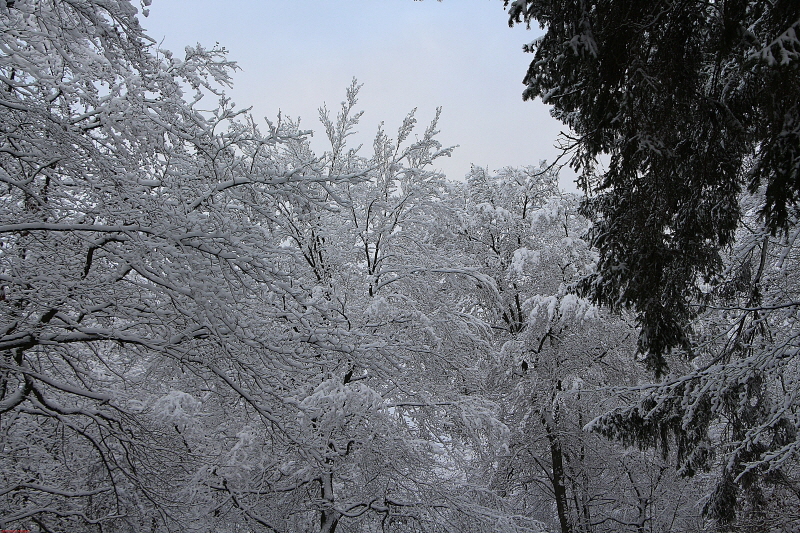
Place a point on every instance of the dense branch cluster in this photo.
(206, 326)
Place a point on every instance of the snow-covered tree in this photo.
(397, 420)
(101, 163)
(734, 411)
(693, 103)
(174, 354)
(557, 359)
(190, 339)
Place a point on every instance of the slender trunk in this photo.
(584, 477)
(642, 502)
(329, 517)
(582, 521)
(641, 520)
(558, 483)
(557, 460)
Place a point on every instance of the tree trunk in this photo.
(329, 517)
(557, 460)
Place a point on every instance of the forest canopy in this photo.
(205, 325)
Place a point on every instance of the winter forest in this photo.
(205, 326)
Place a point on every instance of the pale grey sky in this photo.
(458, 54)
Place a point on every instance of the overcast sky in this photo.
(458, 54)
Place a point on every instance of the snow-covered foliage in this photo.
(206, 326)
(556, 359)
(189, 338)
(736, 410)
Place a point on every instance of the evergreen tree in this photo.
(695, 219)
(692, 101)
